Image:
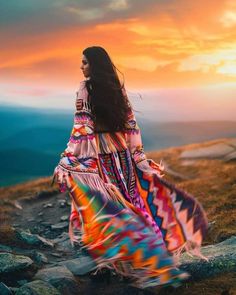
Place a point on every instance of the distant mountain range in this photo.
(31, 140)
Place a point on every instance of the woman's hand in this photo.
(151, 167)
(75, 219)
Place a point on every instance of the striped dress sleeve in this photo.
(82, 141)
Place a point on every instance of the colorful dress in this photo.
(131, 218)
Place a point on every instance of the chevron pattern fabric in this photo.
(179, 215)
(117, 235)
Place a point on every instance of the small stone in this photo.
(18, 205)
(64, 217)
(61, 200)
(60, 225)
(15, 224)
(48, 205)
(39, 257)
(56, 254)
(40, 213)
(211, 224)
(62, 204)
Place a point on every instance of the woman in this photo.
(131, 219)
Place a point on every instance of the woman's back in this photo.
(131, 217)
(116, 151)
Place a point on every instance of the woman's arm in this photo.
(81, 154)
(82, 141)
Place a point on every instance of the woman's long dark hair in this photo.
(109, 106)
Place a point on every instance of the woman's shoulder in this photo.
(84, 81)
(82, 103)
(82, 84)
(82, 92)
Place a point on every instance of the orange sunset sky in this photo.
(180, 55)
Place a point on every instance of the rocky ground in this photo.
(36, 256)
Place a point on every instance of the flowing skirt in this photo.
(117, 235)
(139, 234)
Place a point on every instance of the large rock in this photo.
(33, 239)
(221, 259)
(37, 288)
(12, 263)
(15, 267)
(60, 277)
(215, 151)
(60, 225)
(230, 157)
(79, 266)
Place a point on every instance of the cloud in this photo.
(228, 19)
(140, 62)
(118, 5)
(86, 14)
(28, 17)
(169, 42)
(55, 70)
(228, 68)
(221, 60)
